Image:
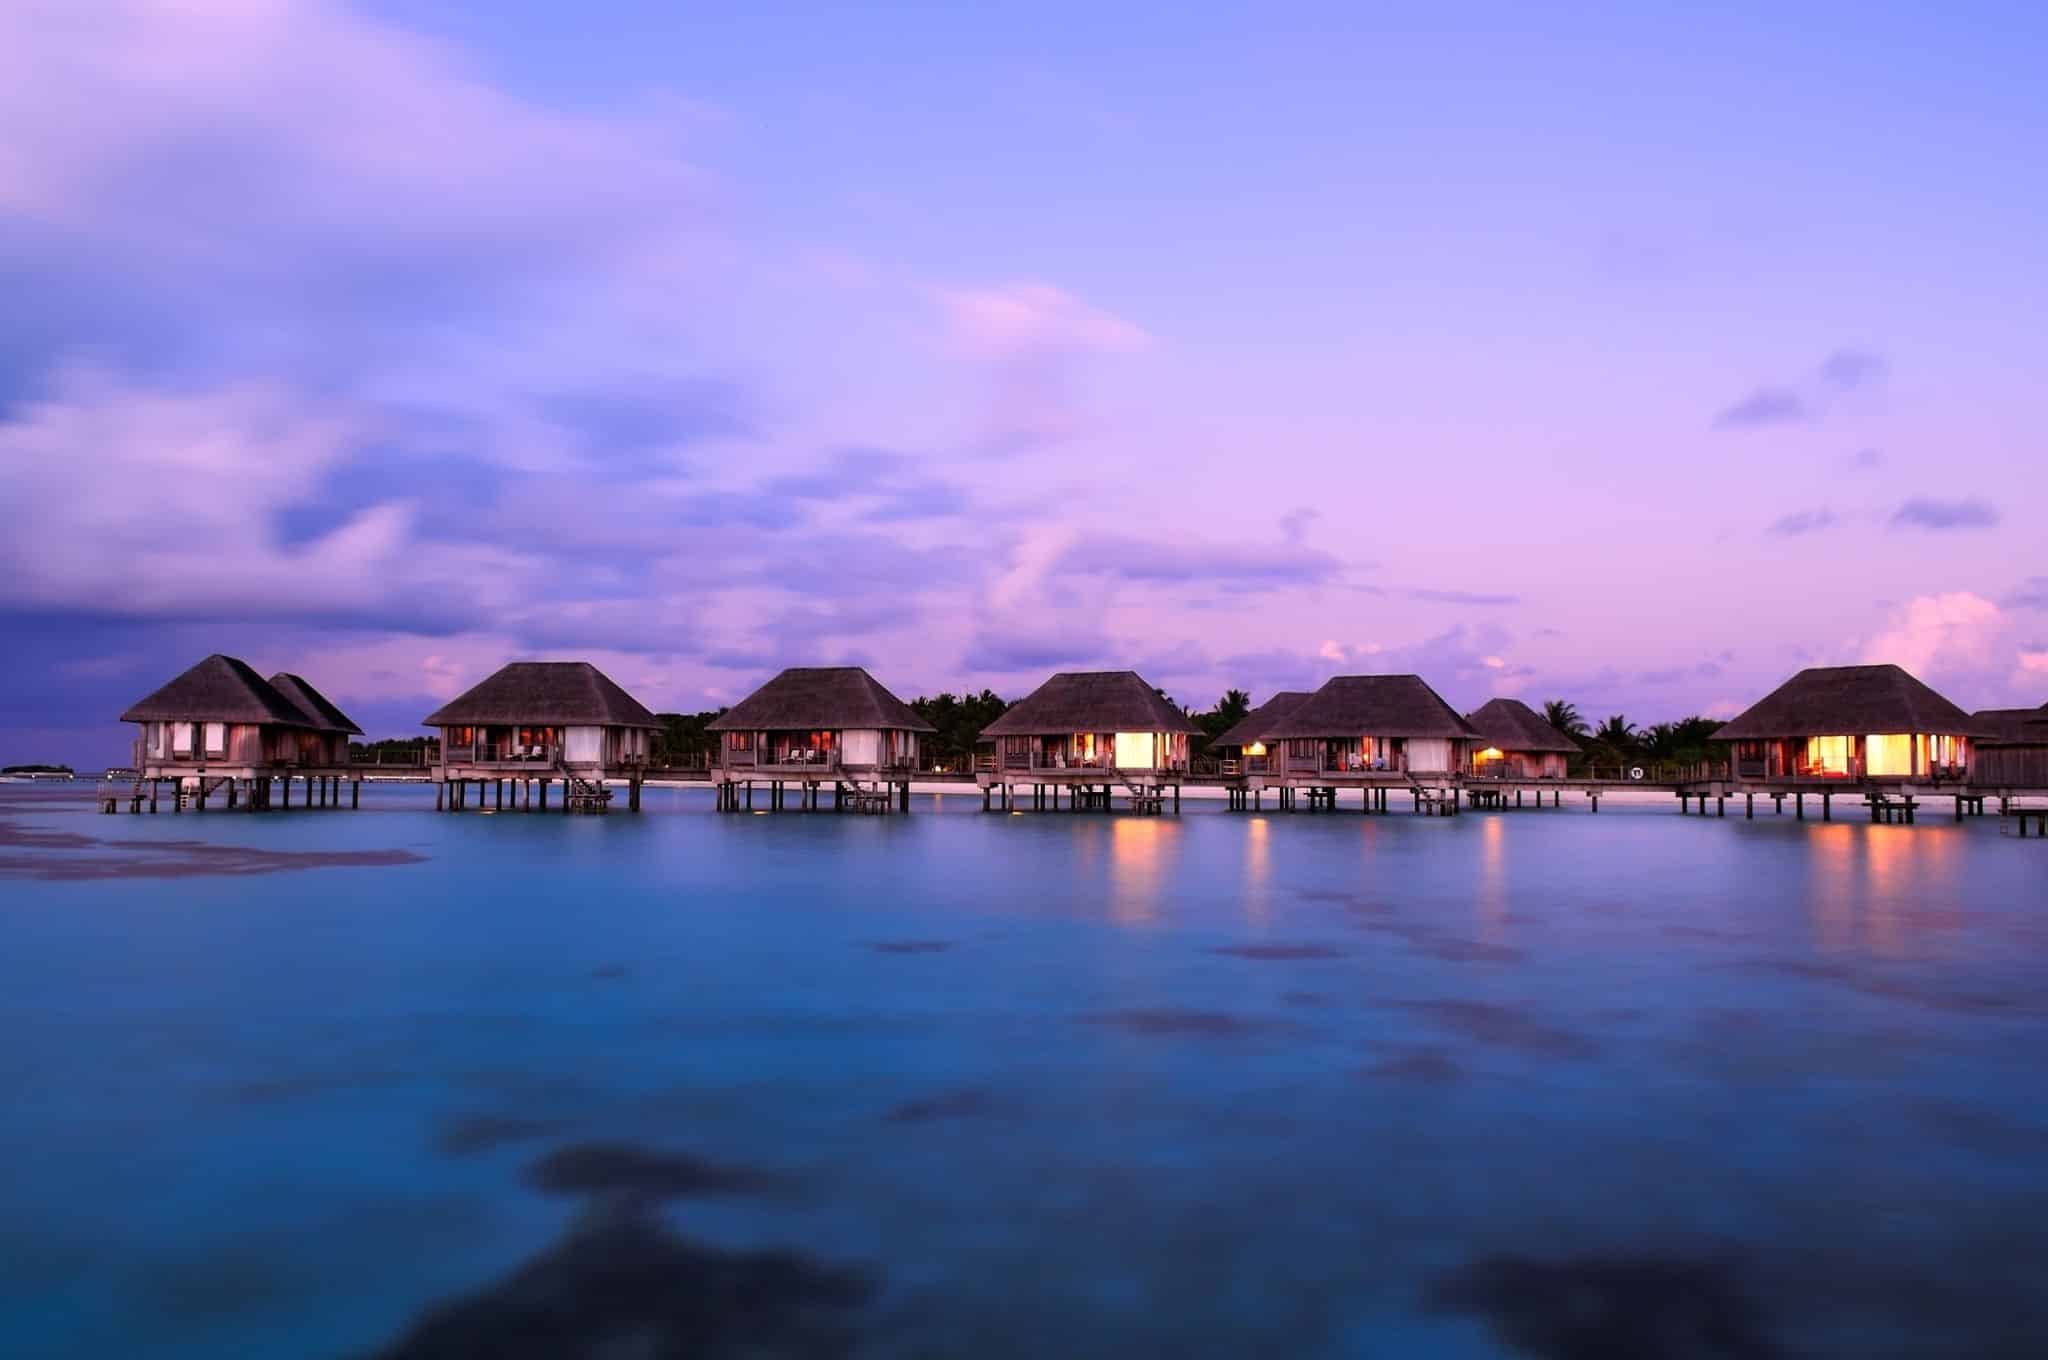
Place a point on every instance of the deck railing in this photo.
(507, 753)
(1322, 764)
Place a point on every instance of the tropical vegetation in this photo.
(959, 718)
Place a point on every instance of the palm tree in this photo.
(1617, 733)
(1659, 740)
(1564, 717)
(1233, 706)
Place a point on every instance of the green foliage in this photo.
(682, 736)
(1564, 717)
(1230, 710)
(959, 718)
(1617, 741)
(394, 750)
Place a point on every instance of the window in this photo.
(216, 739)
(1827, 756)
(181, 739)
(1888, 754)
(739, 741)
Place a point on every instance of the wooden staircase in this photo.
(876, 799)
(1433, 802)
(1144, 798)
(582, 795)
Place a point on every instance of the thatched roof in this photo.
(317, 707)
(2012, 726)
(1511, 725)
(1090, 701)
(555, 693)
(1845, 700)
(1252, 726)
(1374, 706)
(219, 689)
(825, 698)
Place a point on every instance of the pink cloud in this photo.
(1033, 339)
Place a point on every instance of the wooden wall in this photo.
(2010, 766)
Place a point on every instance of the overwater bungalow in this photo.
(1839, 725)
(222, 727)
(1374, 732)
(1517, 743)
(2011, 748)
(533, 723)
(1089, 732)
(815, 726)
(1241, 749)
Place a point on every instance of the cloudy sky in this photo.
(1633, 359)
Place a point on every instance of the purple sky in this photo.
(1636, 359)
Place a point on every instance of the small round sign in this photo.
(1635, 772)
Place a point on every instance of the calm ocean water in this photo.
(1554, 1085)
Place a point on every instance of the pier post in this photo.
(633, 794)
(1827, 806)
(1749, 806)
(440, 793)
(355, 794)
(1720, 805)
(1596, 802)
(1799, 805)
(287, 791)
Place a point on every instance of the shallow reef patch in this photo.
(622, 1284)
(1510, 1027)
(1278, 951)
(627, 1171)
(1611, 1307)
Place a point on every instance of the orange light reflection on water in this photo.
(1137, 855)
(1258, 869)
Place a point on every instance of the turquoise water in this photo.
(1540, 1084)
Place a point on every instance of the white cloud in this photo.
(193, 127)
(1033, 339)
(1945, 632)
(1013, 319)
(134, 499)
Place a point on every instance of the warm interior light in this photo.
(1490, 753)
(1134, 750)
(1257, 748)
(1888, 754)
(1827, 755)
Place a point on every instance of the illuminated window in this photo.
(1827, 755)
(1891, 754)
